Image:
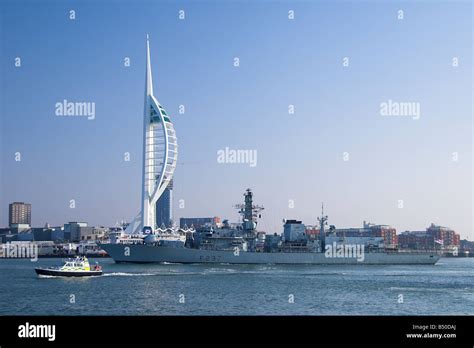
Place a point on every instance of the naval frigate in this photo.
(243, 244)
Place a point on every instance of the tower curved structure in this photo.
(160, 154)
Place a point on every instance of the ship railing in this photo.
(411, 251)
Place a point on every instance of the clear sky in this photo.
(282, 62)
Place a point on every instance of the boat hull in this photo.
(59, 273)
(142, 253)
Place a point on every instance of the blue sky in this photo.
(282, 62)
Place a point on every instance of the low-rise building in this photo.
(419, 240)
(17, 228)
(368, 230)
(466, 248)
(444, 234)
(72, 230)
(92, 233)
(433, 237)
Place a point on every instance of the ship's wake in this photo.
(125, 274)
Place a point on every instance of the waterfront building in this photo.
(368, 230)
(388, 233)
(17, 228)
(57, 234)
(419, 240)
(25, 236)
(41, 234)
(434, 237)
(72, 230)
(466, 247)
(92, 233)
(164, 207)
(19, 213)
(445, 234)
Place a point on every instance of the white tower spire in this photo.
(149, 78)
(160, 153)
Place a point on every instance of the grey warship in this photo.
(244, 244)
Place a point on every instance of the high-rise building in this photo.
(19, 213)
(160, 154)
(164, 207)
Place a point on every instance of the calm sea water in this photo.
(128, 289)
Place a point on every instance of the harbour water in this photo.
(446, 288)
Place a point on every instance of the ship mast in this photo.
(249, 212)
(322, 222)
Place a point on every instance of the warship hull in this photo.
(142, 253)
